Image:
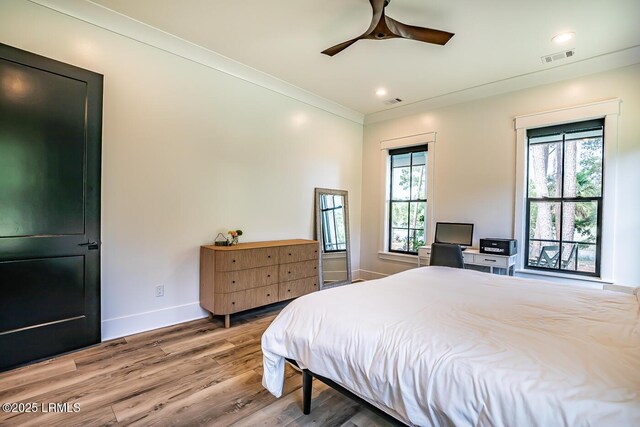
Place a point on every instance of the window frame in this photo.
(399, 151)
(382, 210)
(610, 111)
(562, 130)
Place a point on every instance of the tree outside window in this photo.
(408, 199)
(564, 197)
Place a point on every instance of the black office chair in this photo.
(446, 255)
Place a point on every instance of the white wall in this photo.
(188, 152)
(475, 163)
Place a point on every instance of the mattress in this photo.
(438, 346)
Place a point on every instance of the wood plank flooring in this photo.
(194, 373)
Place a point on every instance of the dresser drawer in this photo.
(243, 300)
(491, 260)
(468, 257)
(297, 253)
(297, 288)
(246, 258)
(298, 270)
(232, 281)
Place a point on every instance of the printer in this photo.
(498, 246)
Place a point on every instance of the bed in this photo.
(438, 346)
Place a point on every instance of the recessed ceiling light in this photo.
(381, 92)
(563, 37)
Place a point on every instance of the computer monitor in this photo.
(454, 232)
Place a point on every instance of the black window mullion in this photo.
(563, 131)
(409, 241)
(566, 199)
(566, 128)
(598, 235)
(335, 226)
(559, 267)
(528, 222)
(391, 206)
(407, 229)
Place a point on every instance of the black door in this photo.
(50, 143)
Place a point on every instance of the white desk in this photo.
(473, 256)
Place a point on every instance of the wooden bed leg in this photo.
(307, 381)
(227, 321)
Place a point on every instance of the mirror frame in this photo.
(345, 194)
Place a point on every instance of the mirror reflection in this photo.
(332, 222)
(333, 233)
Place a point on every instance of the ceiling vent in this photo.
(557, 56)
(392, 101)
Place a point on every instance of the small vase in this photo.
(234, 241)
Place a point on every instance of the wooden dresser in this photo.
(248, 275)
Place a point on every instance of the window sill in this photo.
(564, 276)
(391, 256)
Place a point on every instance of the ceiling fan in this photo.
(382, 27)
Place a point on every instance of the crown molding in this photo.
(596, 64)
(107, 19)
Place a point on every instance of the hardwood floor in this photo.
(195, 373)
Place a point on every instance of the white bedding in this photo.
(441, 346)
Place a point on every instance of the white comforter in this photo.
(440, 346)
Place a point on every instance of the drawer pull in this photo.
(289, 253)
(316, 251)
(233, 281)
(315, 284)
(289, 272)
(288, 290)
(268, 295)
(490, 260)
(233, 302)
(315, 268)
(234, 260)
(268, 275)
(268, 256)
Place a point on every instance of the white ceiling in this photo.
(495, 40)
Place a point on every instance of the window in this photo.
(332, 212)
(564, 197)
(548, 123)
(407, 199)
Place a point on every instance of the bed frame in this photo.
(307, 382)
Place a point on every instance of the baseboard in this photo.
(370, 275)
(141, 322)
(627, 289)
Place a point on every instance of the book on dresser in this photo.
(248, 275)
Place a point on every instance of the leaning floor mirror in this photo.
(332, 230)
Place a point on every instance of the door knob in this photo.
(92, 246)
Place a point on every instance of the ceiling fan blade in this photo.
(339, 47)
(378, 13)
(422, 34)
